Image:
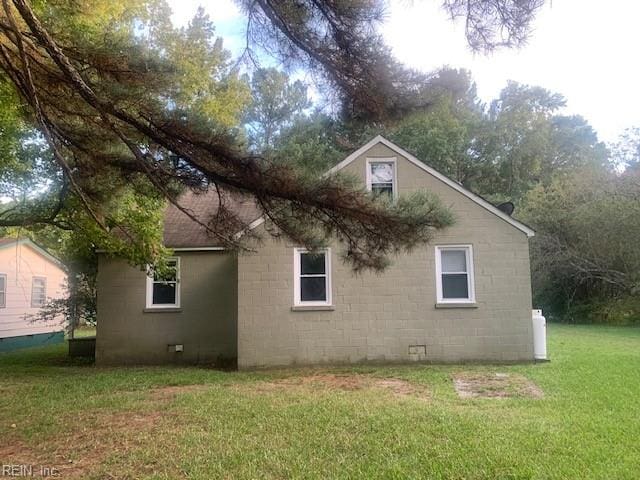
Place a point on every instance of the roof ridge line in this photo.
(474, 197)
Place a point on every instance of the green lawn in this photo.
(169, 422)
(84, 331)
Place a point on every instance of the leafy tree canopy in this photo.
(528, 141)
(500, 150)
(107, 112)
(585, 255)
(340, 39)
(276, 103)
(62, 167)
(626, 152)
(131, 108)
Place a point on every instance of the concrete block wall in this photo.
(206, 323)
(384, 317)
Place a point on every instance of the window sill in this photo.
(457, 305)
(162, 310)
(312, 308)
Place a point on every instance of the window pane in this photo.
(454, 261)
(2, 299)
(455, 286)
(313, 289)
(382, 189)
(38, 292)
(170, 275)
(311, 263)
(381, 173)
(164, 293)
(2, 283)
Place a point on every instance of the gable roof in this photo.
(8, 242)
(443, 178)
(182, 233)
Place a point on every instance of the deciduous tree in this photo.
(585, 255)
(526, 142)
(276, 102)
(626, 151)
(111, 88)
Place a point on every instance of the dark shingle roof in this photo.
(180, 231)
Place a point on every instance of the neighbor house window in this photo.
(381, 176)
(312, 274)
(163, 291)
(38, 291)
(454, 270)
(3, 290)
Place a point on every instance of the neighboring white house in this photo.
(29, 276)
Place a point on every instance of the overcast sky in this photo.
(587, 50)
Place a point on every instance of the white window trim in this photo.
(392, 160)
(470, 274)
(4, 286)
(149, 302)
(44, 302)
(296, 278)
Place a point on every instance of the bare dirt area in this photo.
(346, 382)
(495, 385)
(88, 440)
(171, 392)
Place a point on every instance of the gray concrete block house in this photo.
(464, 297)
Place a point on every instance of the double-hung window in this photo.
(3, 290)
(312, 277)
(163, 291)
(38, 291)
(381, 176)
(454, 274)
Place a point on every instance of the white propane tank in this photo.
(539, 335)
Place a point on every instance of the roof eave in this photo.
(443, 178)
(38, 249)
(451, 183)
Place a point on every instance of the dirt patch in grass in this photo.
(17, 453)
(89, 439)
(172, 391)
(400, 388)
(338, 382)
(321, 381)
(495, 385)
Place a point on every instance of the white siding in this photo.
(20, 263)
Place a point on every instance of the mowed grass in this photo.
(169, 422)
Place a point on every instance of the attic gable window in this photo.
(312, 277)
(454, 274)
(164, 291)
(381, 176)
